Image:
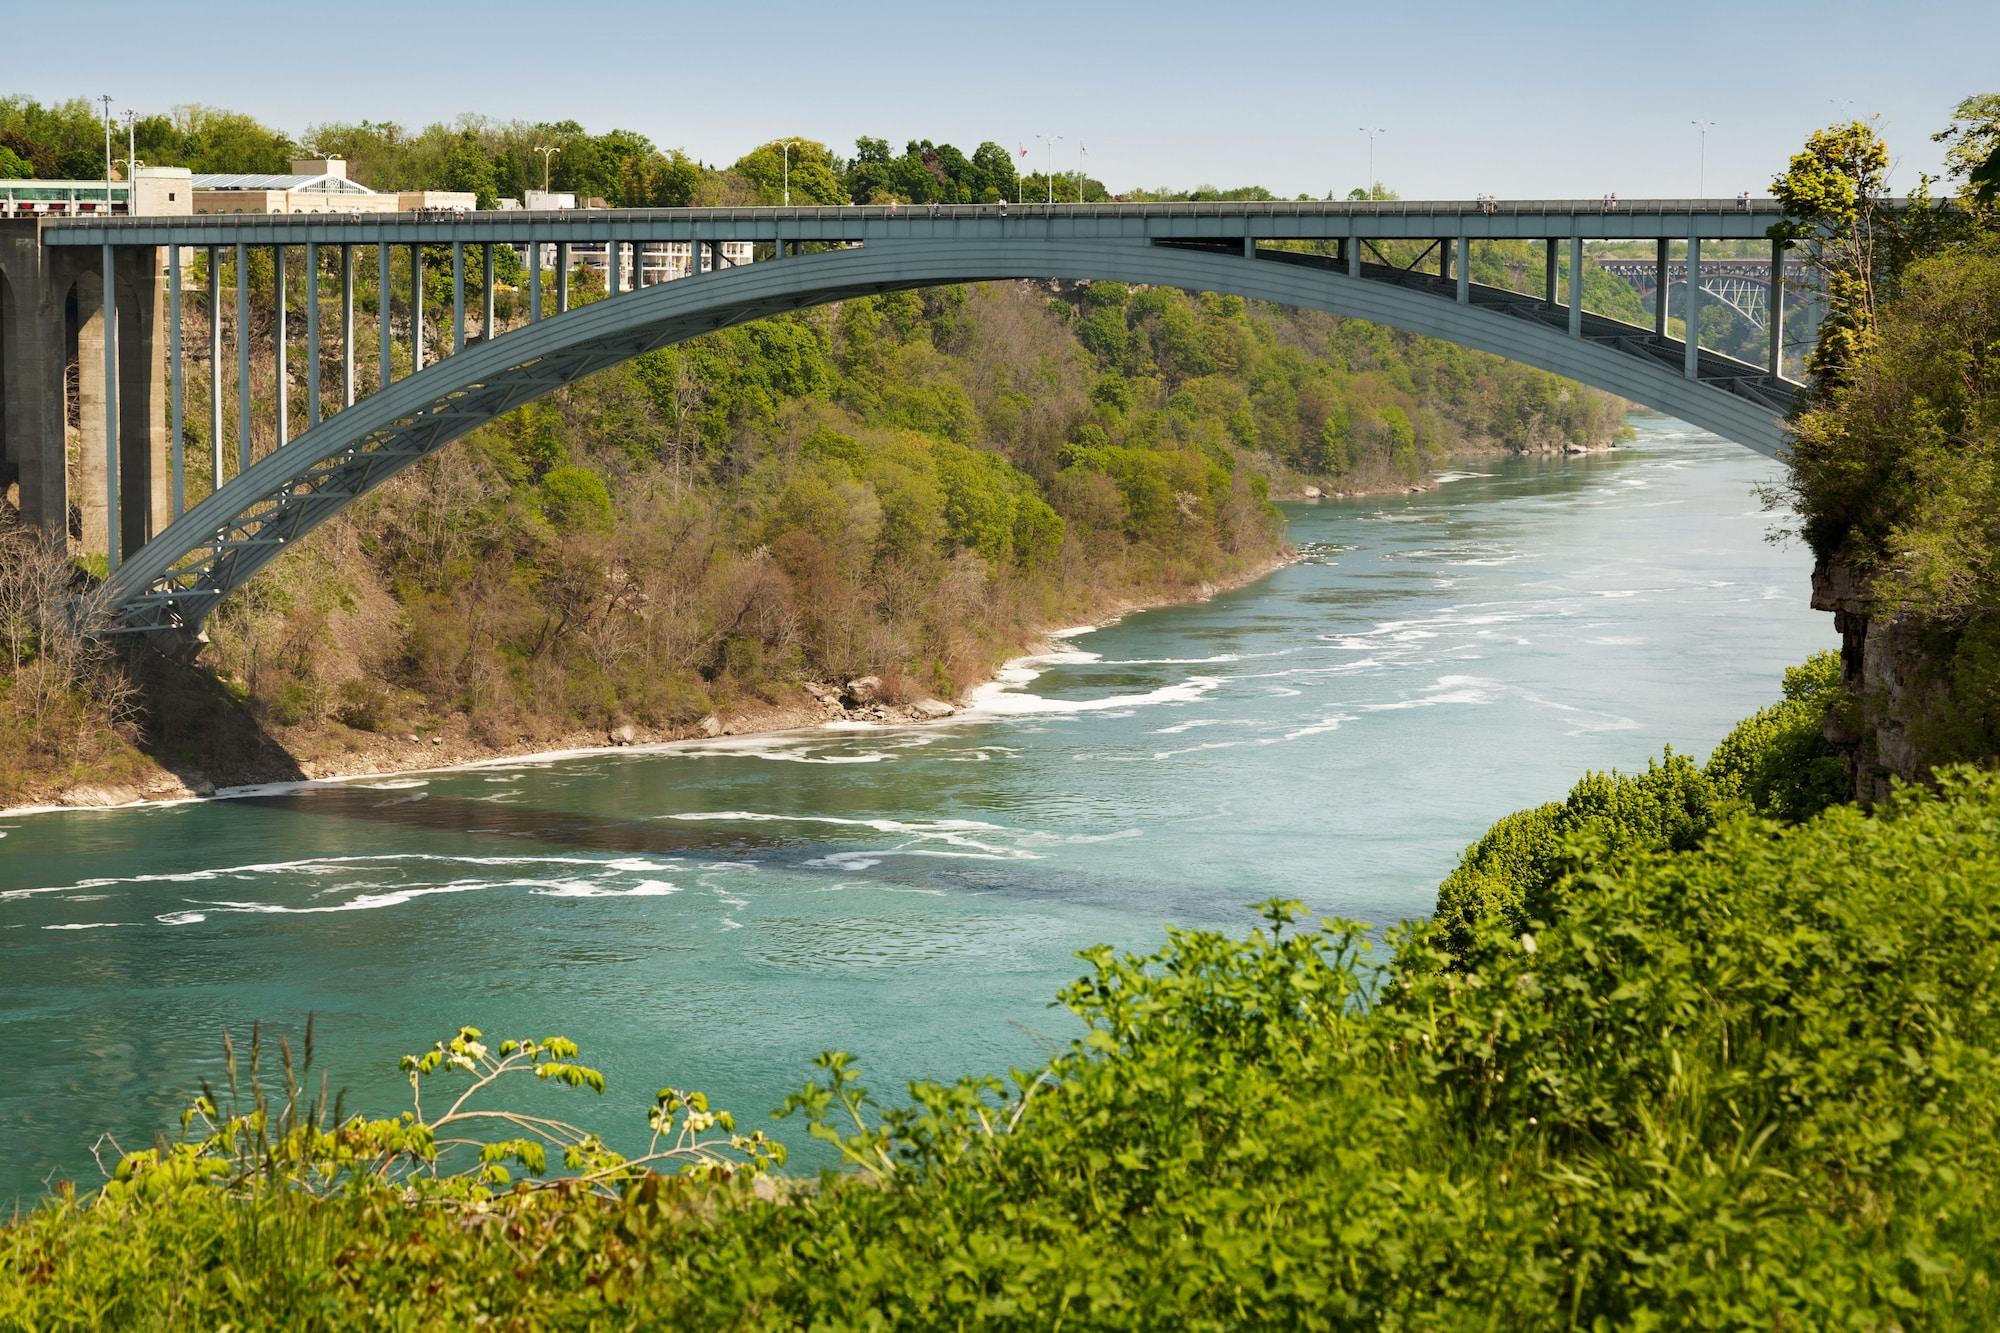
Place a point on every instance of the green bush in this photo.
(1780, 760)
(1777, 763)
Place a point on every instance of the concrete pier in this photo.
(53, 423)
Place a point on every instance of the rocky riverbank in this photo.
(353, 754)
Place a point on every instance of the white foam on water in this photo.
(397, 784)
(1318, 728)
(317, 866)
(1446, 690)
(848, 861)
(648, 888)
(1196, 749)
(1004, 699)
(88, 925)
(1189, 725)
(1217, 660)
(878, 825)
(1441, 478)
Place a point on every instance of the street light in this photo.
(106, 99)
(787, 146)
(1701, 178)
(1048, 160)
(1080, 150)
(1370, 182)
(547, 151)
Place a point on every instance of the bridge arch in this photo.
(170, 584)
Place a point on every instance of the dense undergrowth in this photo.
(1705, 1049)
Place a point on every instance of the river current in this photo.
(711, 915)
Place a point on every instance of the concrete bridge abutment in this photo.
(54, 454)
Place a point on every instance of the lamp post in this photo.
(787, 146)
(1701, 176)
(1080, 150)
(106, 99)
(1369, 184)
(547, 151)
(1048, 160)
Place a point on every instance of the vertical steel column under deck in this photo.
(242, 358)
(1549, 271)
(416, 308)
(1777, 309)
(347, 326)
(279, 337)
(110, 317)
(384, 305)
(1464, 292)
(562, 277)
(215, 366)
(312, 335)
(486, 300)
(1576, 286)
(457, 296)
(1693, 363)
(611, 274)
(175, 426)
(534, 281)
(1660, 289)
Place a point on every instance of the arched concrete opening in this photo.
(83, 410)
(141, 438)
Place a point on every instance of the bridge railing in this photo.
(1410, 208)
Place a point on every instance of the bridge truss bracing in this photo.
(432, 385)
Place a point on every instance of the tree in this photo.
(812, 173)
(1974, 155)
(469, 167)
(994, 174)
(1835, 197)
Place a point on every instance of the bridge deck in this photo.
(1635, 219)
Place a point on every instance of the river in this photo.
(711, 915)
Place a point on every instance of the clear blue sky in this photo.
(1551, 99)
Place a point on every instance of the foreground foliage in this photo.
(1747, 1077)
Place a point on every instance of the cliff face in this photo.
(1873, 734)
(1919, 695)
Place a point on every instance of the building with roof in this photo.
(316, 185)
(152, 191)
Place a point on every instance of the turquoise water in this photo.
(714, 914)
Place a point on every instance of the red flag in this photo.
(1024, 152)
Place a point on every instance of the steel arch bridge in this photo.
(171, 582)
(1744, 286)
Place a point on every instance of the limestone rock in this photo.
(930, 710)
(92, 794)
(710, 726)
(864, 690)
(624, 734)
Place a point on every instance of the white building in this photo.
(316, 185)
(152, 192)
